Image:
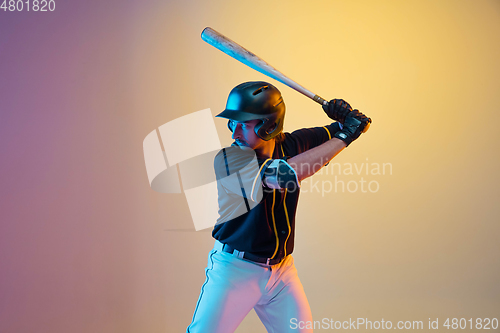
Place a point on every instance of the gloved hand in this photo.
(355, 123)
(337, 109)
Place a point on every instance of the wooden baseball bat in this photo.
(241, 54)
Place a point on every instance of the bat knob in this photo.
(320, 100)
(367, 126)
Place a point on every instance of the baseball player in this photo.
(251, 266)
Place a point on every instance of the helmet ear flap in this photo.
(258, 127)
(265, 132)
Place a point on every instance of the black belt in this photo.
(251, 257)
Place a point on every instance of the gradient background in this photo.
(83, 239)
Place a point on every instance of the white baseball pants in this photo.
(234, 286)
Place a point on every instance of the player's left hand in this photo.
(337, 109)
(355, 123)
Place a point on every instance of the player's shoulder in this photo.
(232, 159)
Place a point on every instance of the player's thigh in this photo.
(231, 290)
(288, 309)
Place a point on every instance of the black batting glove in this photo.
(354, 124)
(337, 109)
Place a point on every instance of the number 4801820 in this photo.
(28, 5)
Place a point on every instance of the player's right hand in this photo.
(354, 124)
(337, 109)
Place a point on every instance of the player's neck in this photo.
(266, 151)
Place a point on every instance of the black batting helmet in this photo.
(257, 100)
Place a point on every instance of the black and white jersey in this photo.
(258, 198)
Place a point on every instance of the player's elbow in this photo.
(281, 175)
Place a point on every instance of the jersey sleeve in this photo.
(278, 174)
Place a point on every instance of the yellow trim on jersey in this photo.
(287, 221)
(329, 135)
(282, 150)
(274, 225)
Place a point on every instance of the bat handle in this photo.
(320, 100)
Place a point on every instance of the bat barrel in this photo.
(238, 52)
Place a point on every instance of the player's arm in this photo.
(353, 124)
(311, 161)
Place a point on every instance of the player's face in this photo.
(244, 134)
